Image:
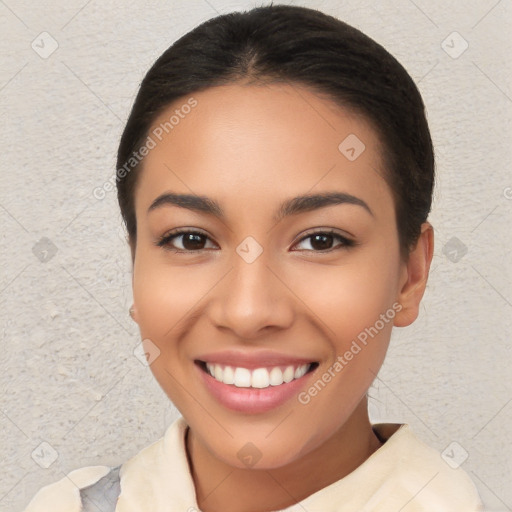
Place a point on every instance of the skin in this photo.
(250, 148)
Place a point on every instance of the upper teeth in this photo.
(257, 378)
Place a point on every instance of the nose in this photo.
(252, 299)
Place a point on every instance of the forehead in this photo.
(275, 140)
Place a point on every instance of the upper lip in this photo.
(253, 359)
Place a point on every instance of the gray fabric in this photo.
(102, 496)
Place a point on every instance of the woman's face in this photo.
(270, 282)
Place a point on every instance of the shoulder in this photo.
(157, 469)
(421, 475)
(64, 494)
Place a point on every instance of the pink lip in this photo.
(252, 360)
(252, 400)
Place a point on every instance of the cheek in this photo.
(349, 298)
(355, 307)
(165, 296)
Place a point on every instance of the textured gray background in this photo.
(68, 374)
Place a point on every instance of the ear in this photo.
(413, 280)
(134, 314)
(133, 308)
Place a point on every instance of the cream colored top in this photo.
(404, 474)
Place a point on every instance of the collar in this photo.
(159, 476)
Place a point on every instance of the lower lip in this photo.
(252, 400)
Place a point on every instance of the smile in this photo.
(265, 386)
(259, 378)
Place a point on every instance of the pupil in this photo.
(193, 241)
(325, 242)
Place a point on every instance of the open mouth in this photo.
(258, 378)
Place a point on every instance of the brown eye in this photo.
(184, 241)
(193, 241)
(322, 241)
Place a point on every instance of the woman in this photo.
(275, 176)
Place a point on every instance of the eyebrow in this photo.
(294, 206)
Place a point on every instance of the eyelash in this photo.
(166, 239)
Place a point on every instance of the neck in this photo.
(221, 487)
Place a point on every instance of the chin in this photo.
(262, 452)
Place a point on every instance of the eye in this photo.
(184, 241)
(322, 241)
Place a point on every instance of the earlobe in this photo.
(133, 313)
(415, 276)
